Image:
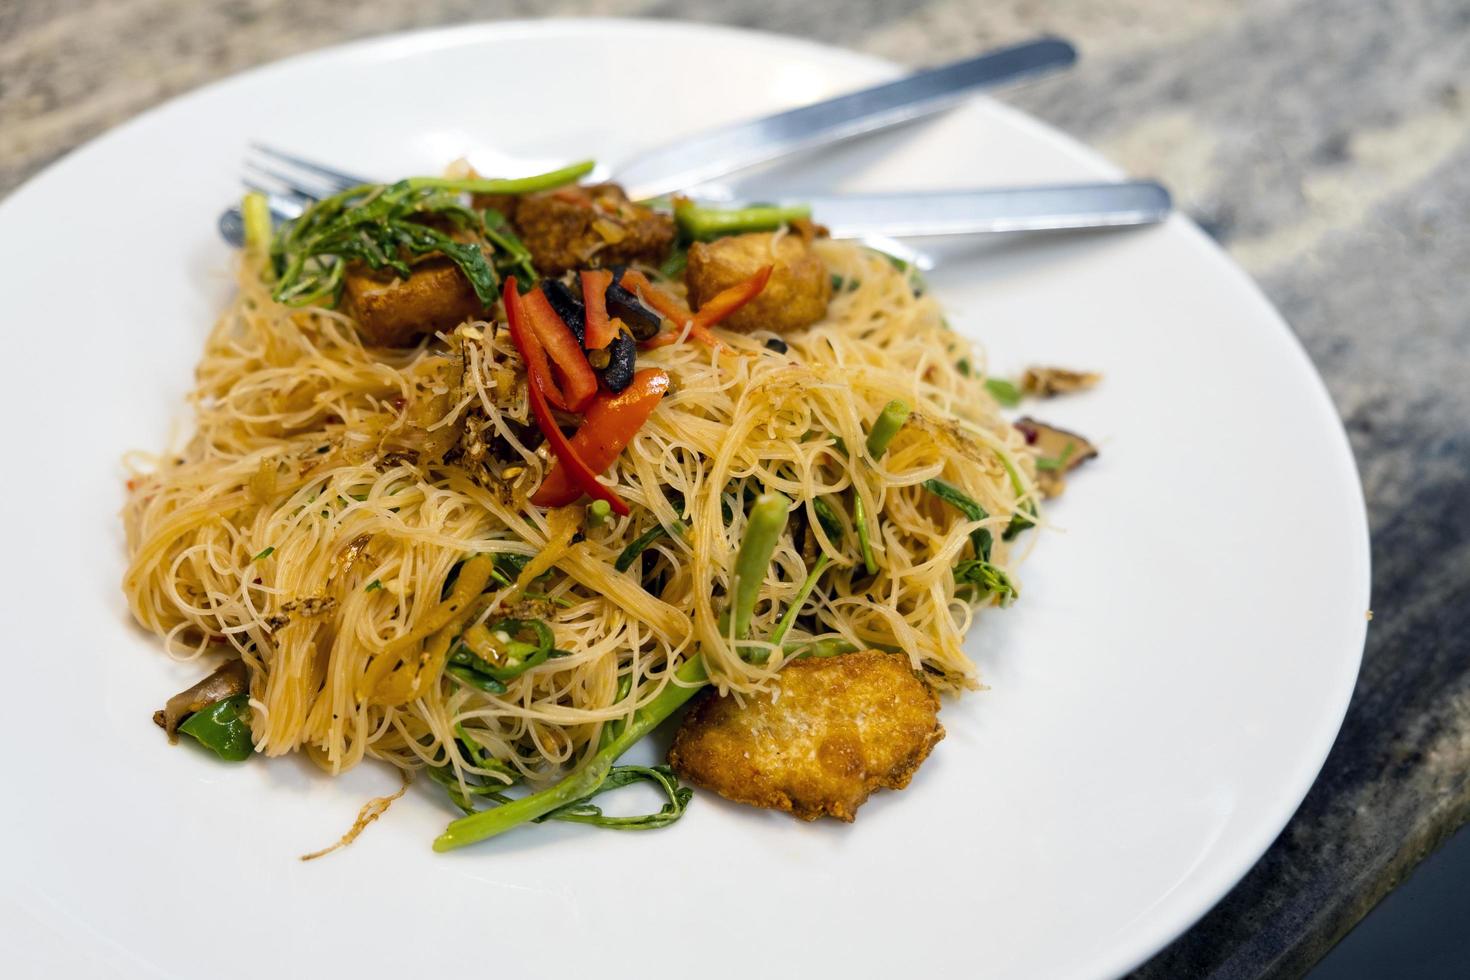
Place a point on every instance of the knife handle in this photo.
(704, 156)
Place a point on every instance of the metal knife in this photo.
(716, 152)
(968, 212)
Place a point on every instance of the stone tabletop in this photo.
(1325, 144)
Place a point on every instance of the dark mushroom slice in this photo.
(567, 306)
(622, 355)
(1058, 452)
(623, 305)
(1046, 382)
(228, 680)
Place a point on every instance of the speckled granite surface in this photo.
(1326, 144)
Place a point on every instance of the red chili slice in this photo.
(600, 329)
(612, 422)
(578, 382)
(538, 381)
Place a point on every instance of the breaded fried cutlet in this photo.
(840, 728)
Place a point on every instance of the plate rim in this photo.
(1201, 895)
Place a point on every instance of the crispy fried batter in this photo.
(841, 728)
(393, 312)
(586, 227)
(796, 295)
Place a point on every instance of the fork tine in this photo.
(340, 180)
(300, 185)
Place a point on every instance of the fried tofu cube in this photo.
(393, 312)
(796, 295)
(841, 728)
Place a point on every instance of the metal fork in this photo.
(290, 183)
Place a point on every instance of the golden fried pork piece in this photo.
(393, 312)
(588, 227)
(796, 295)
(841, 728)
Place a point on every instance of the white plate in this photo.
(1160, 700)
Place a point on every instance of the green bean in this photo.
(886, 426)
(703, 223)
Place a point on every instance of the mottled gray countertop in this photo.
(1325, 144)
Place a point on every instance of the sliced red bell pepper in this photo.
(600, 329)
(538, 381)
(577, 382)
(669, 307)
(727, 301)
(612, 422)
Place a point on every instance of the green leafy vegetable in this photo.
(223, 727)
(639, 545)
(384, 227)
(583, 810)
(461, 666)
(962, 501)
(700, 223)
(987, 579)
(689, 678)
(1003, 391)
(265, 554)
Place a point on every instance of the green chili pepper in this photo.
(223, 727)
(504, 641)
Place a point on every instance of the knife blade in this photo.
(716, 152)
(967, 212)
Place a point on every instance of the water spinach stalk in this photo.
(766, 522)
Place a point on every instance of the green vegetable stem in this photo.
(701, 223)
